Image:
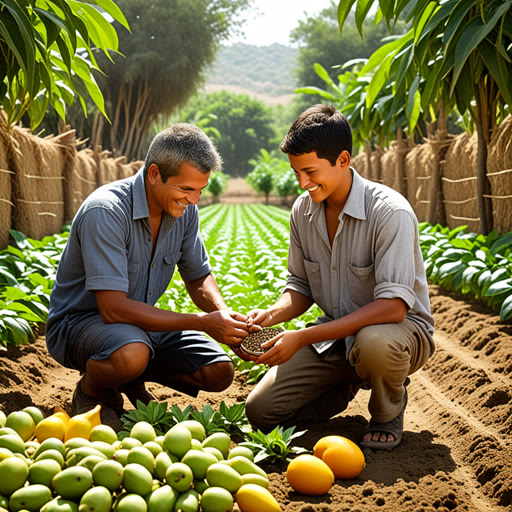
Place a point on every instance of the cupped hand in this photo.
(281, 348)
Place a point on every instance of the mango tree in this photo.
(464, 45)
(47, 54)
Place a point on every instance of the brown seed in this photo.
(252, 343)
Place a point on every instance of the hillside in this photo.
(262, 71)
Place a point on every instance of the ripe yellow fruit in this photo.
(52, 426)
(254, 498)
(345, 462)
(81, 425)
(309, 475)
(60, 413)
(342, 455)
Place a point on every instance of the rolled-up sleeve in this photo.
(101, 235)
(396, 240)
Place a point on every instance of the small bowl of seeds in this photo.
(252, 343)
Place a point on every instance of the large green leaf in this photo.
(111, 8)
(343, 11)
(473, 34)
(499, 68)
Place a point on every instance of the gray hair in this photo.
(182, 142)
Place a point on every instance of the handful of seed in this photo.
(252, 343)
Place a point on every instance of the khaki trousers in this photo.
(313, 387)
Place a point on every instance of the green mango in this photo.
(43, 471)
(52, 443)
(96, 499)
(162, 499)
(179, 476)
(162, 462)
(222, 475)
(219, 440)
(31, 497)
(131, 503)
(187, 502)
(14, 473)
(60, 505)
(12, 442)
(244, 465)
(71, 483)
(242, 451)
(199, 462)
(53, 454)
(216, 499)
(137, 479)
(109, 474)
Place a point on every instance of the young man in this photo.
(354, 251)
(125, 242)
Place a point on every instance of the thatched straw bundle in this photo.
(388, 167)
(38, 184)
(359, 163)
(5, 186)
(499, 170)
(81, 182)
(108, 170)
(459, 183)
(418, 172)
(376, 171)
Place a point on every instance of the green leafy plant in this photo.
(209, 419)
(274, 446)
(233, 419)
(155, 413)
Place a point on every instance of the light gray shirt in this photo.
(375, 255)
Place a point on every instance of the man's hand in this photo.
(226, 327)
(282, 348)
(259, 317)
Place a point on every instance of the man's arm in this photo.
(205, 293)
(380, 311)
(116, 307)
(290, 305)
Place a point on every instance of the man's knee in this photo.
(216, 377)
(130, 360)
(258, 411)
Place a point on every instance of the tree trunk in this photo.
(400, 162)
(483, 185)
(369, 159)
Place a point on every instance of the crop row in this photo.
(248, 247)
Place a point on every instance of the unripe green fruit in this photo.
(162, 499)
(31, 497)
(96, 499)
(109, 474)
(71, 483)
(137, 479)
(179, 476)
(14, 473)
(216, 499)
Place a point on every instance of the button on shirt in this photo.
(375, 255)
(109, 248)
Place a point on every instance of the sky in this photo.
(271, 21)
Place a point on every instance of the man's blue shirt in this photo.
(109, 248)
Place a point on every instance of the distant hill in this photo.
(265, 72)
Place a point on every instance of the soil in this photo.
(456, 451)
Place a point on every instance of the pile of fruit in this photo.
(62, 464)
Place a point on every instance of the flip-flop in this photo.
(393, 427)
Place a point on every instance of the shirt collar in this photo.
(140, 201)
(355, 205)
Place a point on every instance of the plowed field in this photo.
(456, 452)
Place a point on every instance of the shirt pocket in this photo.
(361, 282)
(314, 278)
(134, 273)
(168, 266)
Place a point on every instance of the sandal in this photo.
(393, 427)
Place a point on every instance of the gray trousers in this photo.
(313, 387)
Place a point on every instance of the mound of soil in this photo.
(456, 452)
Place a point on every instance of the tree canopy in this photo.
(163, 62)
(244, 125)
(46, 54)
(319, 42)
